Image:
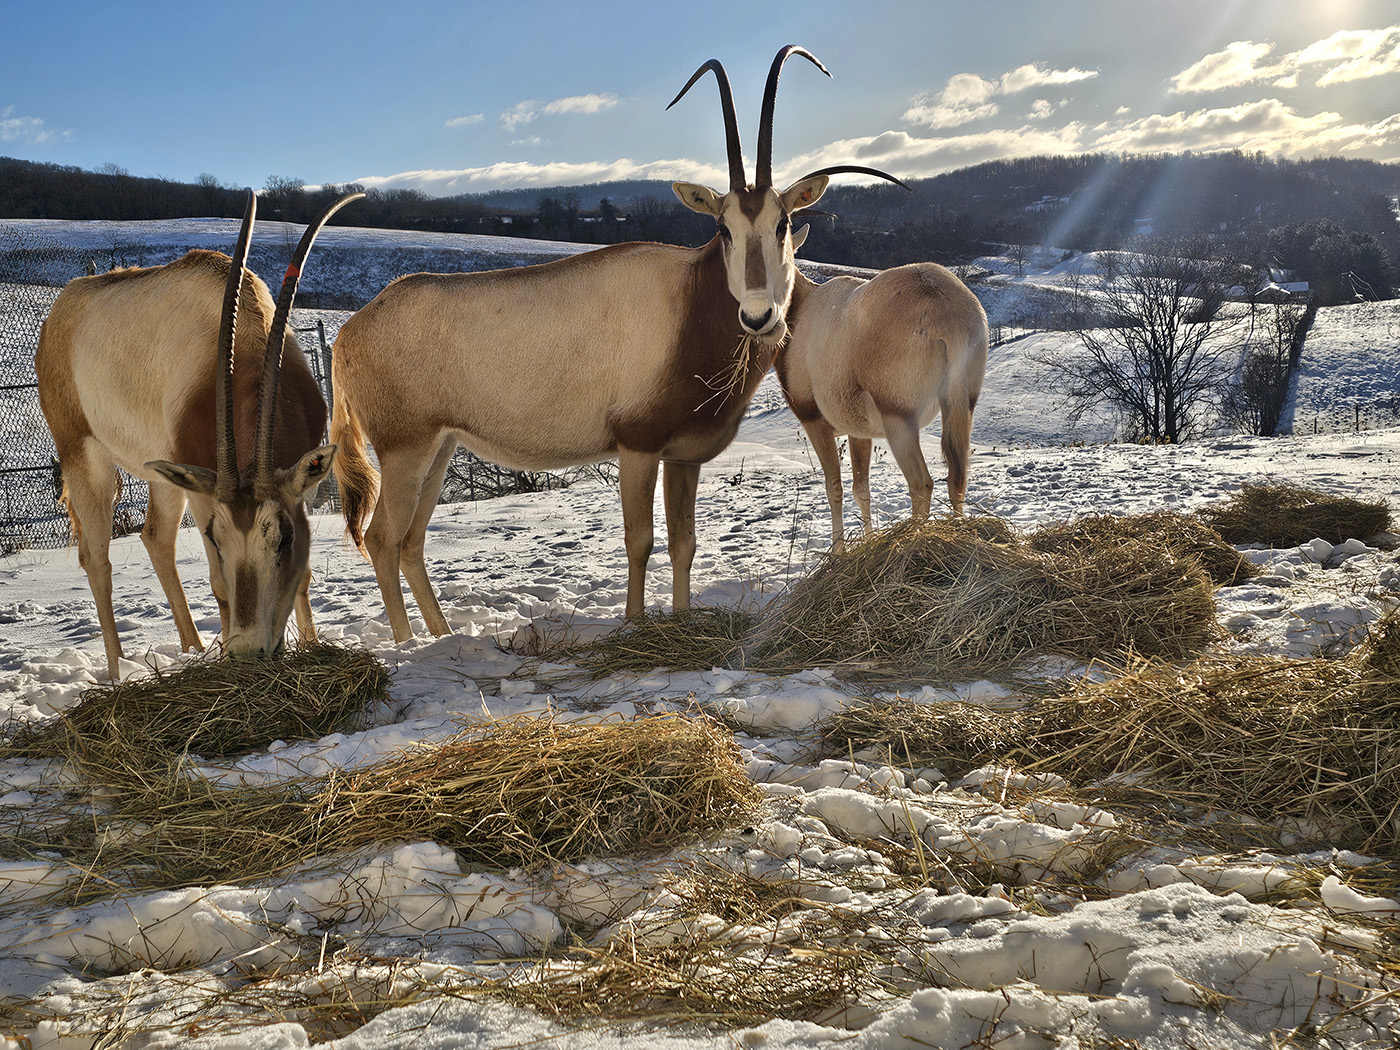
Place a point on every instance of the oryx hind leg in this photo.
(164, 509)
(957, 446)
(902, 433)
(414, 564)
(402, 475)
(90, 488)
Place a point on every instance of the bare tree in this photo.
(1255, 403)
(1157, 346)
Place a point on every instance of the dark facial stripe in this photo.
(755, 269)
(245, 596)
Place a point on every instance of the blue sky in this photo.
(464, 97)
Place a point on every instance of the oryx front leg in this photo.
(902, 432)
(679, 484)
(164, 510)
(636, 473)
(823, 440)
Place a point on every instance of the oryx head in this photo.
(257, 533)
(755, 222)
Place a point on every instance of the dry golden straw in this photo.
(1287, 515)
(211, 708)
(944, 598)
(523, 792)
(1313, 743)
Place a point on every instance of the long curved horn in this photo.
(737, 179)
(272, 359)
(763, 173)
(859, 170)
(226, 453)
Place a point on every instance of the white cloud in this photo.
(27, 129)
(1266, 125)
(968, 97)
(1041, 109)
(1356, 54)
(581, 104)
(507, 174)
(1035, 75)
(462, 122)
(1241, 62)
(525, 112)
(1351, 54)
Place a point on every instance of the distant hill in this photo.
(1331, 217)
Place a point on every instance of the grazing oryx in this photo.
(644, 352)
(881, 358)
(186, 375)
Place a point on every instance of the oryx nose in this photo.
(756, 324)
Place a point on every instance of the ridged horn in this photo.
(857, 169)
(763, 173)
(226, 452)
(737, 178)
(272, 359)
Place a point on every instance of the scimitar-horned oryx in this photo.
(644, 352)
(880, 358)
(185, 375)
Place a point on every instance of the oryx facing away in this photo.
(644, 352)
(880, 358)
(185, 375)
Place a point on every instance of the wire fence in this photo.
(32, 271)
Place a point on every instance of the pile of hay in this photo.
(1315, 743)
(1184, 536)
(525, 792)
(211, 708)
(952, 597)
(937, 597)
(690, 640)
(1287, 515)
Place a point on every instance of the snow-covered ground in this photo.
(1183, 950)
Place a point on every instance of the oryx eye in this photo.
(782, 227)
(725, 235)
(284, 541)
(209, 534)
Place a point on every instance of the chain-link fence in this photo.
(32, 270)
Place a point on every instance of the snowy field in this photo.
(1175, 950)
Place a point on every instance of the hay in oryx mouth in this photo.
(212, 708)
(1289, 515)
(523, 791)
(1311, 744)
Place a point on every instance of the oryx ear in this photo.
(698, 198)
(804, 193)
(800, 235)
(198, 480)
(313, 468)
